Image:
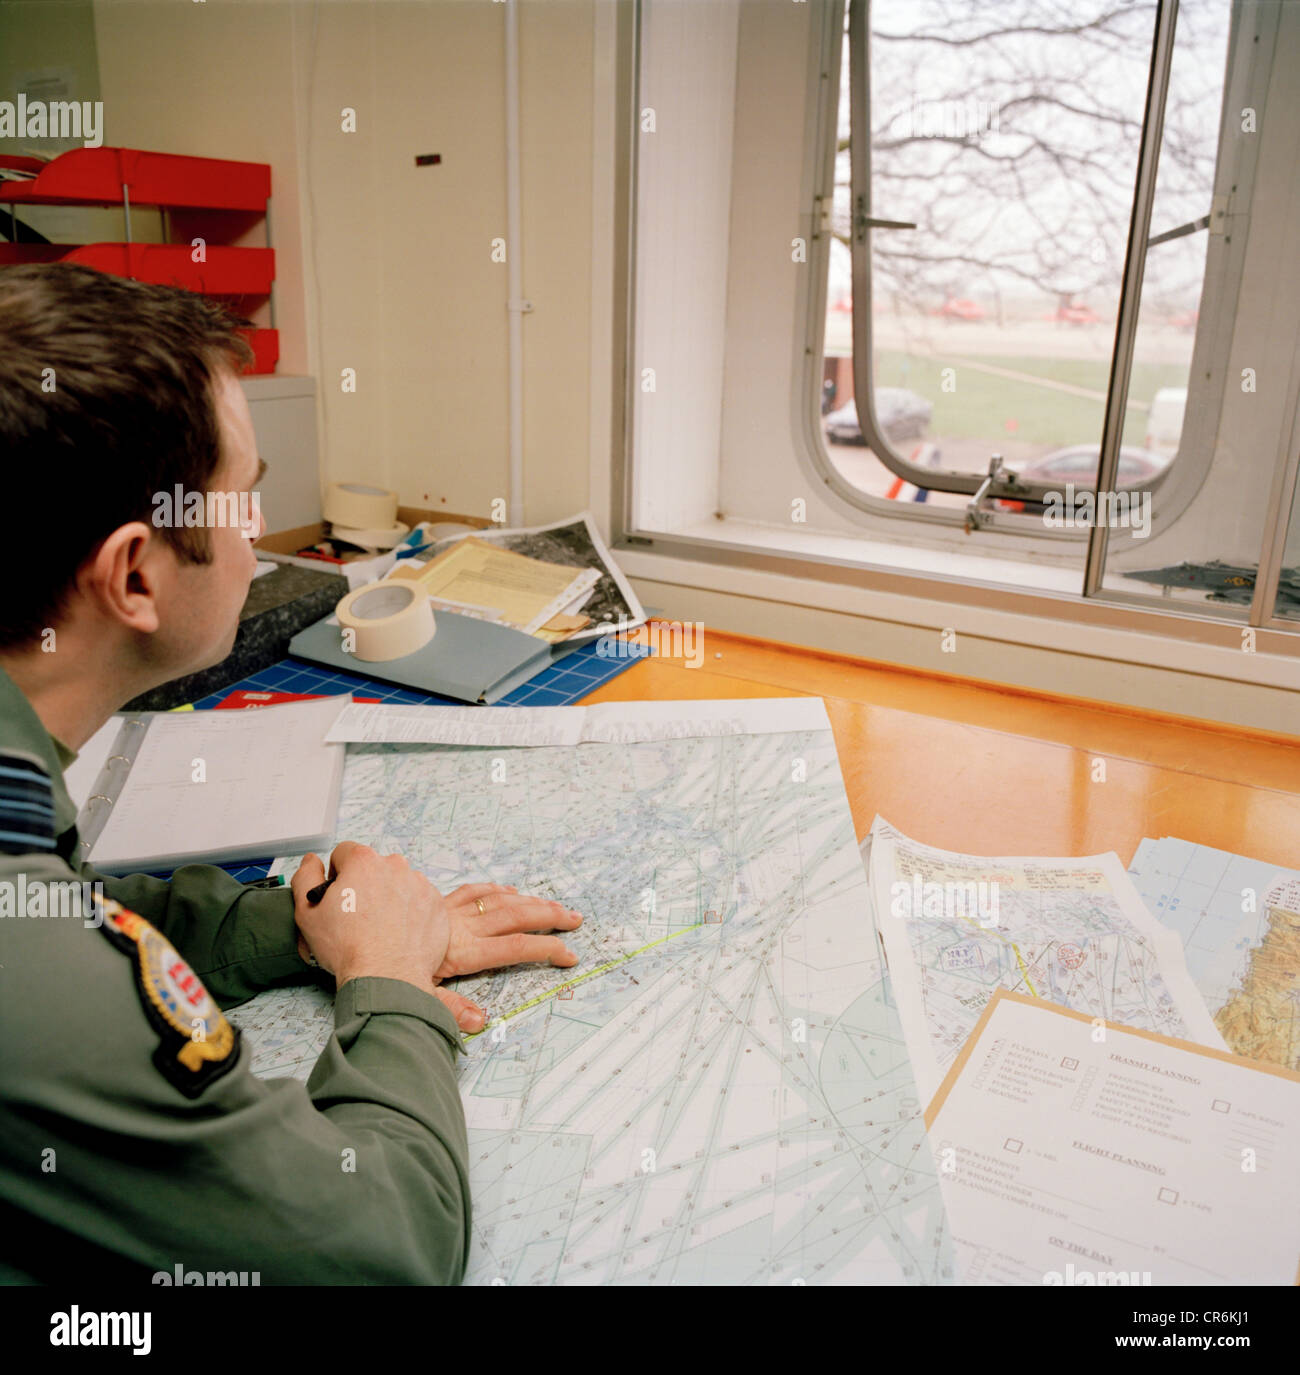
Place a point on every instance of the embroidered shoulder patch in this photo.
(26, 805)
(196, 1044)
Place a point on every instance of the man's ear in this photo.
(121, 577)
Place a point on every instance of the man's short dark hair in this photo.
(105, 399)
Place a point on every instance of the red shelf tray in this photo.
(16, 163)
(95, 176)
(107, 176)
(265, 344)
(226, 271)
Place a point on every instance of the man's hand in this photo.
(379, 918)
(495, 935)
(488, 922)
(478, 926)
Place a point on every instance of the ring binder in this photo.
(270, 785)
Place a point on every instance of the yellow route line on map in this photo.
(590, 974)
(1020, 959)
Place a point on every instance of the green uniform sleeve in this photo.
(239, 940)
(358, 1177)
(375, 1078)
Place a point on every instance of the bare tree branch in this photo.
(1028, 175)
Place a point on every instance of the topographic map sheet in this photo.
(1239, 920)
(1071, 930)
(718, 1093)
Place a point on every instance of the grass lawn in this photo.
(982, 403)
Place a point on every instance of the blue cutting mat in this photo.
(564, 683)
(560, 685)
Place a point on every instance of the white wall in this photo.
(759, 474)
(56, 42)
(384, 267)
(684, 206)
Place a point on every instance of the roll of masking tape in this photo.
(371, 539)
(360, 507)
(385, 620)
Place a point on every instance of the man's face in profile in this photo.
(200, 603)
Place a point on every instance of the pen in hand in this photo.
(314, 895)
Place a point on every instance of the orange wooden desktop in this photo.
(1004, 771)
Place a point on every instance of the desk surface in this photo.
(995, 770)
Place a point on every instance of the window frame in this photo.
(1246, 83)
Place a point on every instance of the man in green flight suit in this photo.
(134, 1141)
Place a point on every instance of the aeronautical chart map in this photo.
(719, 1092)
(1239, 920)
(1070, 930)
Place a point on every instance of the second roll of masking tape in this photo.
(358, 506)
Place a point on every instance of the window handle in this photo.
(976, 516)
(862, 221)
(1191, 227)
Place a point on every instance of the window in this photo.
(988, 197)
(1048, 238)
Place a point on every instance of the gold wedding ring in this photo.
(482, 911)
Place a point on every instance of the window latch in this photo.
(862, 221)
(1191, 227)
(976, 516)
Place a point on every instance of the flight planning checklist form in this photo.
(1071, 1151)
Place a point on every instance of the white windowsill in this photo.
(807, 595)
(1037, 575)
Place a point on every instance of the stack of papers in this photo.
(555, 582)
(1088, 1122)
(1068, 1157)
(478, 579)
(576, 544)
(1072, 931)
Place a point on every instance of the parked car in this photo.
(1078, 465)
(901, 414)
(960, 308)
(1075, 314)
